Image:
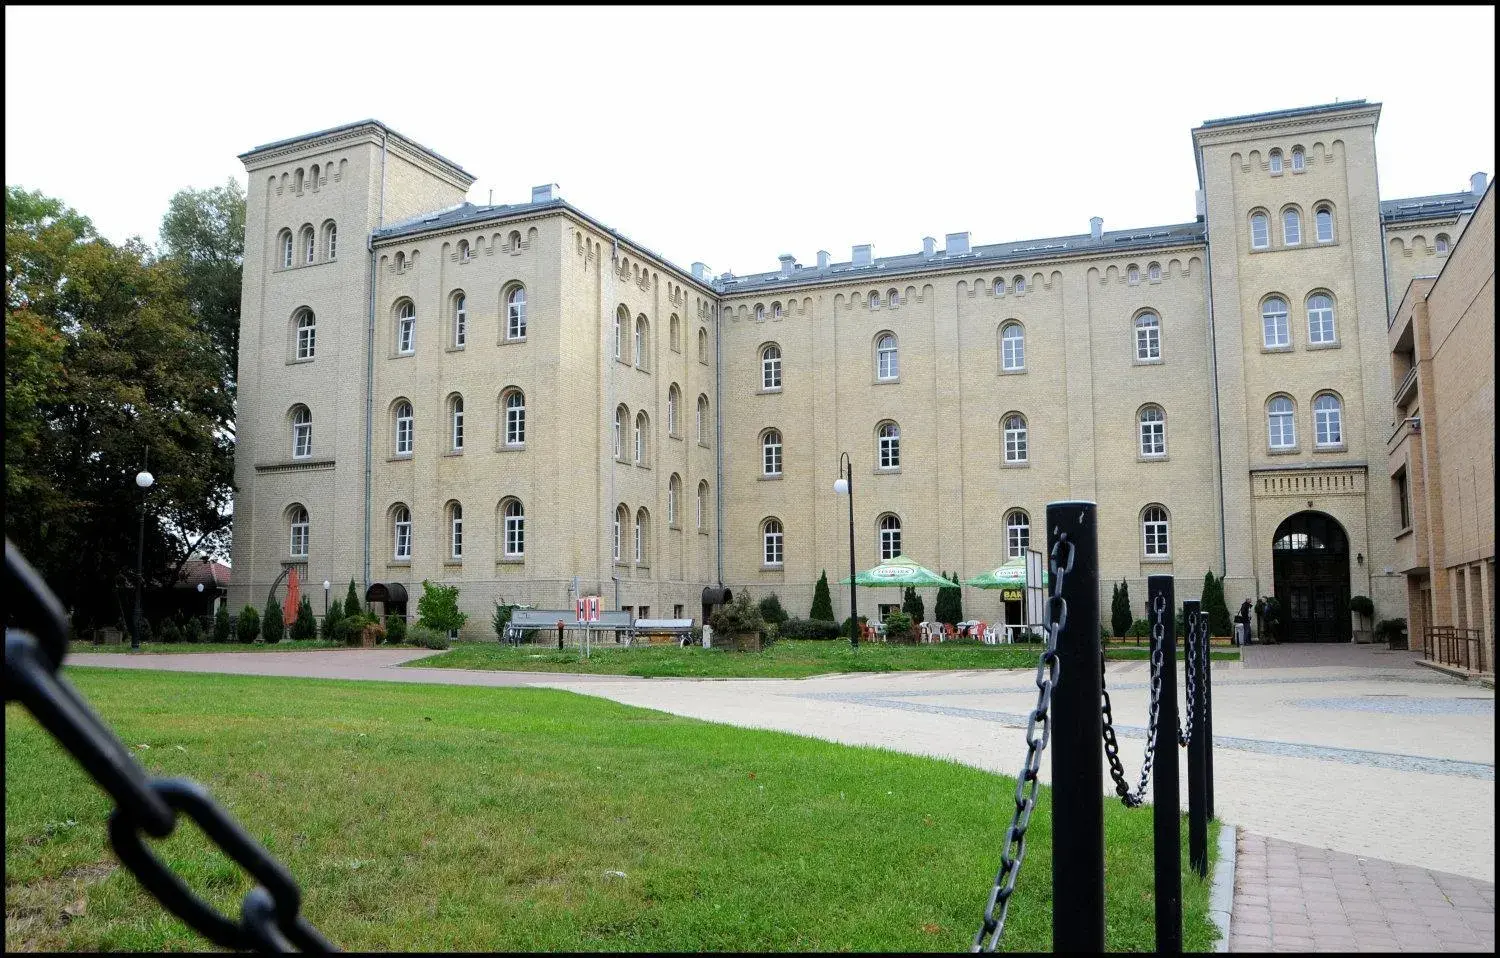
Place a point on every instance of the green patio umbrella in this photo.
(1008, 575)
(899, 571)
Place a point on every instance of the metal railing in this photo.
(1449, 645)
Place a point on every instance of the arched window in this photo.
(620, 319)
(760, 313)
(702, 345)
(455, 530)
(514, 240)
(1015, 439)
(1019, 283)
(1320, 318)
(770, 453)
(775, 310)
(300, 527)
(309, 245)
(1000, 287)
(770, 367)
(889, 536)
(405, 429)
(1442, 244)
(286, 249)
(1323, 220)
(622, 417)
(456, 420)
(515, 313)
(515, 528)
(771, 539)
(888, 445)
(1328, 420)
(514, 402)
(887, 363)
(331, 240)
(641, 428)
(1153, 272)
(1153, 430)
(1147, 338)
(460, 320)
(640, 342)
(674, 401)
(674, 493)
(1299, 159)
(1260, 230)
(1291, 226)
(894, 298)
(1154, 532)
(307, 334)
(406, 328)
(641, 520)
(301, 432)
(1133, 274)
(1281, 423)
(675, 331)
(1274, 329)
(401, 530)
(874, 300)
(297, 181)
(702, 503)
(1012, 347)
(1275, 161)
(463, 251)
(703, 419)
(1017, 533)
(622, 518)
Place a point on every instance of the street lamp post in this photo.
(326, 586)
(844, 486)
(143, 479)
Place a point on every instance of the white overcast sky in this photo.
(731, 135)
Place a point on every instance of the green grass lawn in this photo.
(286, 645)
(786, 659)
(455, 818)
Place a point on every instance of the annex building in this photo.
(524, 402)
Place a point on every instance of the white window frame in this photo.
(1275, 326)
(1017, 533)
(307, 334)
(1281, 423)
(515, 418)
(460, 321)
(405, 429)
(1323, 215)
(333, 242)
(760, 313)
(1260, 230)
(456, 531)
(703, 419)
(1156, 533)
(999, 287)
(640, 343)
(887, 357)
(1133, 275)
(1320, 321)
(1012, 347)
(1147, 337)
(1152, 422)
(888, 540)
(1328, 421)
(640, 539)
(456, 411)
(888, 445)
(301, 534)
(406, 329)
(1153, 272)
(1017, 445)
(702, 503)
(1275, 161)
(1291, 227)
(311, 237)
(515, 529)
(770, 453)
(288, 250)
(617, 535)
(302, 433)
(1441, 244)
(673, 485)
(621, 415)
(619, 333)
(515, 313)
(674, 399)
(1299, 159)
(640, 438)
(1020, 284)
(402, 528)
(773, 543)
(770, 368)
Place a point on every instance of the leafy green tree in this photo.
(1120, 618)
(912, 605)
(1219, 622)
(822, 607)
(771, 610)
(957, 599)
(331, 618)
(501, 619)
(305, 626)
(203, 233)
(221, 624)
(271, 626)
(942, 609)
(248, 626)
(438, 607)
(351, 600)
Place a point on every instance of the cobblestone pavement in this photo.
(1291, 897)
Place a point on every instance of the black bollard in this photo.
(1077, 738)
(1166, 816)
(1207, 671)
(1197, 779)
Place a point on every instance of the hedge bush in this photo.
(331, 618)
(249, 625)
(349, 628)
(1140, 629)
(221, 624)
(810, 629)
(822, 607)
(771, 610)
(427, 638)
(305, 625)
(272, 628)
(169, 632)
(395, 629)
(193, 632)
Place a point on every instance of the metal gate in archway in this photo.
(1310, 560)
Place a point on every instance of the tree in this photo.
(271, 626)
(1119, 610)
(248, 626)
(106, 365)
(438, 607)
(203, 232)
(772, 612)
(351, 600)
(943, 610)
(1213, 605)
(955, 600)
(305, 626)
(221, 624)
(501, 619)
(822, 607)
(912, 605)
(331, 618)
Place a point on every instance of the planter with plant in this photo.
(739, 623)
(1361, 606)
(900, 629)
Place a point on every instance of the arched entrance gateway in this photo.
(1310, 559)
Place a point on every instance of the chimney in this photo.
(929, 247)
(955, 244)
(700, 272)
(862, 255)
(822, 259)
(1477, 184)
(544, 194)
(1096, 227)
(788, 264)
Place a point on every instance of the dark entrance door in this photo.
(1310, 557)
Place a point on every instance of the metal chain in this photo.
(1185, 734)
(269, 919)
(1111, 746)
(987, 938)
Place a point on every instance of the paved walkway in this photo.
(1349, 751)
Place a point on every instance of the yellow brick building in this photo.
(524, 402)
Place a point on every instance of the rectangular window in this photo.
(773, 547)
(458, 538)
(515, 536)
(302, 440)
(458, 431)
(299, 540)
(408, 329)
(1153, 438)
(1403, 502)
(1275, 328)
(1156, 539)
(403, 540)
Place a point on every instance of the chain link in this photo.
(988, 936)
(1185, 734)
(269, 919)
(1111, 745)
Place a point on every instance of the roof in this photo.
(1285, 114)
(206, 571)
(354, 126)
(982, 257)
(1439, 205)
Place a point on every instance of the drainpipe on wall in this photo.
(370, 362)
(1213, 373)
(718, 314)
